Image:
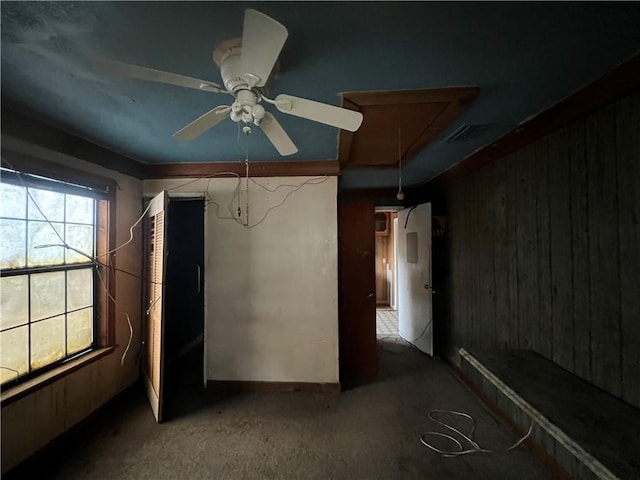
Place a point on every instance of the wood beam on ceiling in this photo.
(464, 94)
(256, 169)
(376, 143)
(345, 137)
(420, 114)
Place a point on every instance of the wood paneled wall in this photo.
(544, 251)
(382, 247)
(385, 256)
(391, 260)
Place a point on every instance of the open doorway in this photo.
(407, 282)
(386, 273)
(184, 304)
(403, 277)
(174, 318)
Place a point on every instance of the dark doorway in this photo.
(184, 303)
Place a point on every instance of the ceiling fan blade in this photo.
(319, 112)
(112, 67)
(276, 135)
(202, 123)
(262, 41)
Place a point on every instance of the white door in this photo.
(414, 277)
(394, 294)
(154, 332)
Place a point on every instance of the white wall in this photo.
(33, 421)
(272, 290)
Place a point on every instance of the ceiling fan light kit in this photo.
(245, 65)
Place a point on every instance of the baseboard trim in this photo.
(270, 387)
(555, 469)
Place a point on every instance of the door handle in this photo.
(371, 295)
(198, 271)
(427, 287)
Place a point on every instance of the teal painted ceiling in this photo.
(525, 57)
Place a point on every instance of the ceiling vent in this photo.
(464, 132)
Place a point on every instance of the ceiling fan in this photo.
(245, 65)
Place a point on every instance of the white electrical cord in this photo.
(206, 194)
(424, 330)
(130, 339)
(13, 370)
(152, 304)
(194, 180)
(236, 192)
(130, 233)
(311, 181)
(475, 447)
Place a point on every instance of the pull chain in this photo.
(246, 207)
(247, 131)
(399, 158)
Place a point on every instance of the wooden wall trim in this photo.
(555, 469)
(13, 394)
(345, 137)
(271, 387)
(35, 131)
(256, 169)
(463, 94)
(368, 193)
(622, 80)
(386, 197)
(105, 300)
(431, 110)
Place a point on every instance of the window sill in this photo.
(14, 394)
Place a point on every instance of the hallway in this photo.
(371, 432)
(386, 322)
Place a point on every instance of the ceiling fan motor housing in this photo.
(228, 58)
(245, 108)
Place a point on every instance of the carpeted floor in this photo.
(371, 432)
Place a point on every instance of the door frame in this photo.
(193, 196)
(199, 196)
(395, 264)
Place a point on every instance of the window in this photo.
(49, 302)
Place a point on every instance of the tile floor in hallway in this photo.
(386, 322)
